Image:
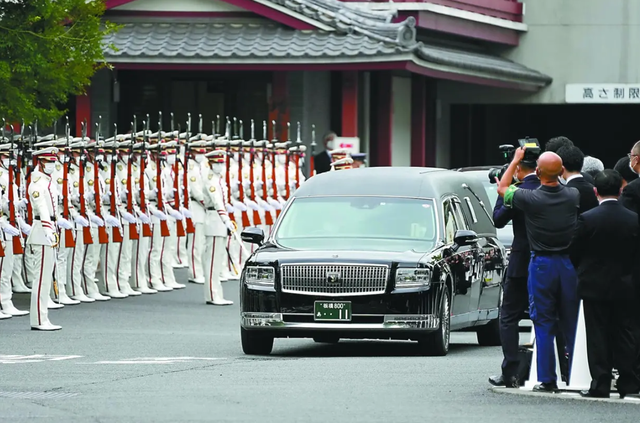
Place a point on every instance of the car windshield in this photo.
(359, 223)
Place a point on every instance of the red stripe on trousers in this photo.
(40, 285)
(213, 254)
(193, 255)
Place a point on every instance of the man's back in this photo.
(630, 197)
(550, 215)
(322, 162)
(604, 249)
(588, 199)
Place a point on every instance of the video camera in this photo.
(531, 155)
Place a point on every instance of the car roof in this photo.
(476, 168)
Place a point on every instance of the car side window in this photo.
(461, 220)
(450, 224)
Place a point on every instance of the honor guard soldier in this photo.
(8, 261)
(282, 170)
(43, 237)
(94, 194)
(125, 174)
(78, 156)
(196, 240)
(240, 209)
(142, 192)
(170, 243)
(342, 164)
(110, 207)
(217, 226)
(158, 216)
(296, 164)
(64, 224)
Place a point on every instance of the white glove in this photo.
(239, 206)
(106, 198)
(26, 228)
(252, 205)
(64, 223)
(50, 235)
(144, 218)
(95, 219)
(258, 184)
(112, 221)
(275, 204)
(280, 185)
(22, 203)
(246, 184)
(159, 214)
(80, 220)
(186, 212)
(176, 214)
(282, 202)
(75, 198)
(265, 205)
(88, 196)
(230, 208)
(10, 230)
(229, 224)
(128, 217)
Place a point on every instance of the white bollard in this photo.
(580, 377)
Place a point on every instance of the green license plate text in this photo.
(336, 311)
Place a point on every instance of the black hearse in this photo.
(376, 253)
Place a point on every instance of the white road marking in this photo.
(35, 358)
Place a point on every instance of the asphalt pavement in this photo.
(169, 357)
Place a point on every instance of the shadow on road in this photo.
(362, 349)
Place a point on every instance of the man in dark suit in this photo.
(322, 160)
(623, 168)
(603, 251)
(555, 144)
(515, 296)
(572, 160)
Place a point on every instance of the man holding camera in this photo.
(550, 213)
(515, 296)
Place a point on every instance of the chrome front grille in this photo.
(334, 279)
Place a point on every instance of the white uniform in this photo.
(75, 264)
(92, 252)
(182, 255)
(63, 254)
(216, 228)
(7, 262)
(195, 241)
(170, 243)
(42, 240)
(129, 220)
(110, 252)
(140, 247)
(156, 266)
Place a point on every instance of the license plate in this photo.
(336, 311)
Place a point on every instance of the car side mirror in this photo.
(253, 235)
(465, 237)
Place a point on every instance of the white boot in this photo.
(125, 288)
(4, 316)
(46, 327)
(83, 298)
(98, 296)
(51, 305)
(221, 302)
(11, 310)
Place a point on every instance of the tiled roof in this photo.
(215, 40)
(269, 43)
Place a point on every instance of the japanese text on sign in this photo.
(602, 93)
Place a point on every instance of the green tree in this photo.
(49, 50)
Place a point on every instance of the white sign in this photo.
(352, 143)
(602, 93)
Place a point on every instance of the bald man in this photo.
(551, 213)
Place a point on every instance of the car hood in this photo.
(270, 254)
(505, 235)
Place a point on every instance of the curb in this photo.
(566, 395)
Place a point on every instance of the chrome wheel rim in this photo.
(445, 321)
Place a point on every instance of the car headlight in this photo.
(413, 278)
(260, 277)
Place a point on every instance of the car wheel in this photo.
(326, 339)
(255, 343)
(437, 343)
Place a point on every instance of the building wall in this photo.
(309, 103)
(180, 6)
(102, 104)
(401, 122)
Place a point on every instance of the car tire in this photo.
(326, 339)
(489, 334)
(255, 343)
(437, 343)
